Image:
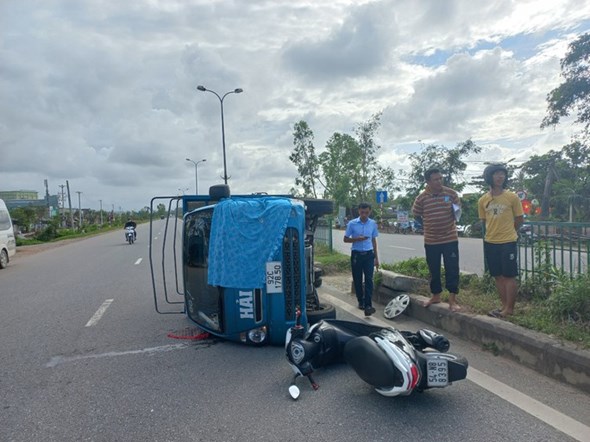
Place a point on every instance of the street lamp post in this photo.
(196, 173)
(100, 213)
(235, 91)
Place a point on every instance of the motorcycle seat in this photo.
(371, 363)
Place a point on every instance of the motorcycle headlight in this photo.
(256, 335)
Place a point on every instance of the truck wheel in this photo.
(326, 311)
(219, 191)
(3, 259)
(318, 207)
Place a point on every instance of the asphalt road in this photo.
(394, 247)
(86, 358)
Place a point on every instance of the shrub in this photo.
(570, 299)
(415, 267)
(48, 233)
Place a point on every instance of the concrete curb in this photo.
(535, 350)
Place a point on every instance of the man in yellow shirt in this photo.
(501, 211)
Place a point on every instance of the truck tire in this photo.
(326, 311)
(218, 191)
(318, 207)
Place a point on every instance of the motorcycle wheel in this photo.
(326, 311)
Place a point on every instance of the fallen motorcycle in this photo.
(395, 362)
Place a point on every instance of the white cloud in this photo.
(103, 93)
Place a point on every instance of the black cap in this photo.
(490, 170)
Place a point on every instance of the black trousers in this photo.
(450, 255)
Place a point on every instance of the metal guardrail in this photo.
(323, 232)
(562, 245)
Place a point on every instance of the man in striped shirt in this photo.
(437, 207)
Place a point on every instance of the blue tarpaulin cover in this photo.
(245, 234)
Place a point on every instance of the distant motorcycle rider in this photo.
(131, 223)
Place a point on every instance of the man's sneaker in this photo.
(369, 311)
(361, 307)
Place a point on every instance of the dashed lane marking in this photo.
(550, 416)
(96, 317)
(138, 261)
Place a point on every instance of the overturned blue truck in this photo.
(247, 263)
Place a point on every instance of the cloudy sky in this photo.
(103, 93)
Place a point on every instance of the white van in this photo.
(7, 239)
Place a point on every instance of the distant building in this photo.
(28, 198)
(19, 195)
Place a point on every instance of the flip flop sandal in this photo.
(396, 306)
(496, 314)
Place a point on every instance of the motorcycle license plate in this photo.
(437, 371)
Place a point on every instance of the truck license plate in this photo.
(274, 277)
(437, 371)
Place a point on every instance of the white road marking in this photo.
(554, 418)
(400, 247)
(155, 238)
(138, 261)
(557, 420)
(57, 360)
(96, 317)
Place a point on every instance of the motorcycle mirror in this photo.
(294, 391)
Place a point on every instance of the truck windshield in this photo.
(203, 301)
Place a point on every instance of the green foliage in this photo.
(573, 95)
(49, 233)
(415, 267)
(560, 180)
(305, 158)
(540, 285)
(347, 168)
(570, 300)
(450, 161)
(332, 262)
(470, 214)
(27, 241)
(26, 217)
(337, 161)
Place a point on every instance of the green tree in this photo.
(370, 176)
(350, 171)
(26, 217)
(342, 155)
(561, 181)
(573, 95)
(305, 158)
(449, 160)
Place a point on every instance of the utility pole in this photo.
(63, 205)
(549, 179)
(79, 210)
(70, 204)
(47, 199)
(100, 213)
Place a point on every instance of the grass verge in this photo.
(563, 314)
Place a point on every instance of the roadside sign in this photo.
(521, 194)
(381, 196)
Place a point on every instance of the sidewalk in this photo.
(542, 353)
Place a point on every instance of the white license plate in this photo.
(274, 277)
(437, 371)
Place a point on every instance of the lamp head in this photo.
(238, 90)
(201, 88)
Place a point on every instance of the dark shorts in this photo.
(502, 259)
